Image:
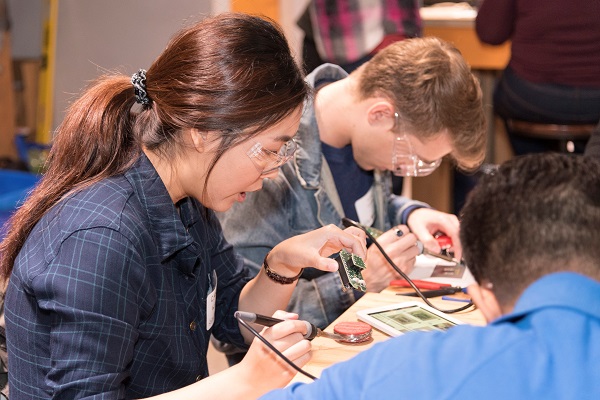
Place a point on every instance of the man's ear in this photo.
(381, 114)
(486, 301)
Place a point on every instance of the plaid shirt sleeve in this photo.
(95, 309)
(347, 30)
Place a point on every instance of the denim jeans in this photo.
(517, 98)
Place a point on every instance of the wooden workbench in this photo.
(326, 352)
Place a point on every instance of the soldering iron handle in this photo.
(311, 329)
(257, 318)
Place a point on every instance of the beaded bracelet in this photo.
(284, 280)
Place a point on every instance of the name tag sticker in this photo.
(211, 300)
(365, 208)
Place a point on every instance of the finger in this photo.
(406, 241)
(356, 232)
(405, 252)
(454, 233)
(337, 240)
(352, 239)
(400, 230)
(425, 234)
(411, 252)
(287, 328)
(299, 353)
(429, 242)
(426, 222)
(281, 314)
(400, 244)
(457, 252)
(326, 264)
(282, 343)
(392, 235)
(355, 242)
(293, 347)
(402, 251)
(451, 228)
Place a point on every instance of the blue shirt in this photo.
(108, 297)
(351, 181)
(547, 348)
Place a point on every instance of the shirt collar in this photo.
(169, 227)
(561, 289)
(307, 164)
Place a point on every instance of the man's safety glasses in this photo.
(405, 162)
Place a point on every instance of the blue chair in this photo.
(14, 188)
(31, 153)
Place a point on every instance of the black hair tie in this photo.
(139, 85)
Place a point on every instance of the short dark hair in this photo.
(535, 215)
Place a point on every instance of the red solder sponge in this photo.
(355, 331)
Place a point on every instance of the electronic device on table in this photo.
(397, 319)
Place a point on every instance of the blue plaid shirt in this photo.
(108, 296)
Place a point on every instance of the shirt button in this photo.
(193, 326)
(198, 378)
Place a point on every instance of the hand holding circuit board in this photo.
(351, 267)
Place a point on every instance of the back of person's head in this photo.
(433, 89)
(232, 73)
(537, 214)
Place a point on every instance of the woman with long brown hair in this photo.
(117, 269)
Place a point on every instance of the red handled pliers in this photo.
(419, 284)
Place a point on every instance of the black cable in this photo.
(270, 346)
(348, 221)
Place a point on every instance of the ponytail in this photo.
(232, 74)
(94, 141)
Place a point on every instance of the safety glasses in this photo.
(405, 162)
(267, 161)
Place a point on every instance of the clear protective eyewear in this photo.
(405, 162)
(267, 161)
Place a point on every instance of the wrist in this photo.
(281, 277)
(408, 213)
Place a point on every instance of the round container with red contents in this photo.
(353, 331)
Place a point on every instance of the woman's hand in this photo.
(263, 365)
(264, 295)
(313, 249)
(260, 371)
(425, 222)
(401, 249)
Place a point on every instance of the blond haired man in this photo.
(415, 102)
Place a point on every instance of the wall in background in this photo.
(97, 36)
(26, 28)
(93, 37)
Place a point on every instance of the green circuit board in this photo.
(350, 271)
